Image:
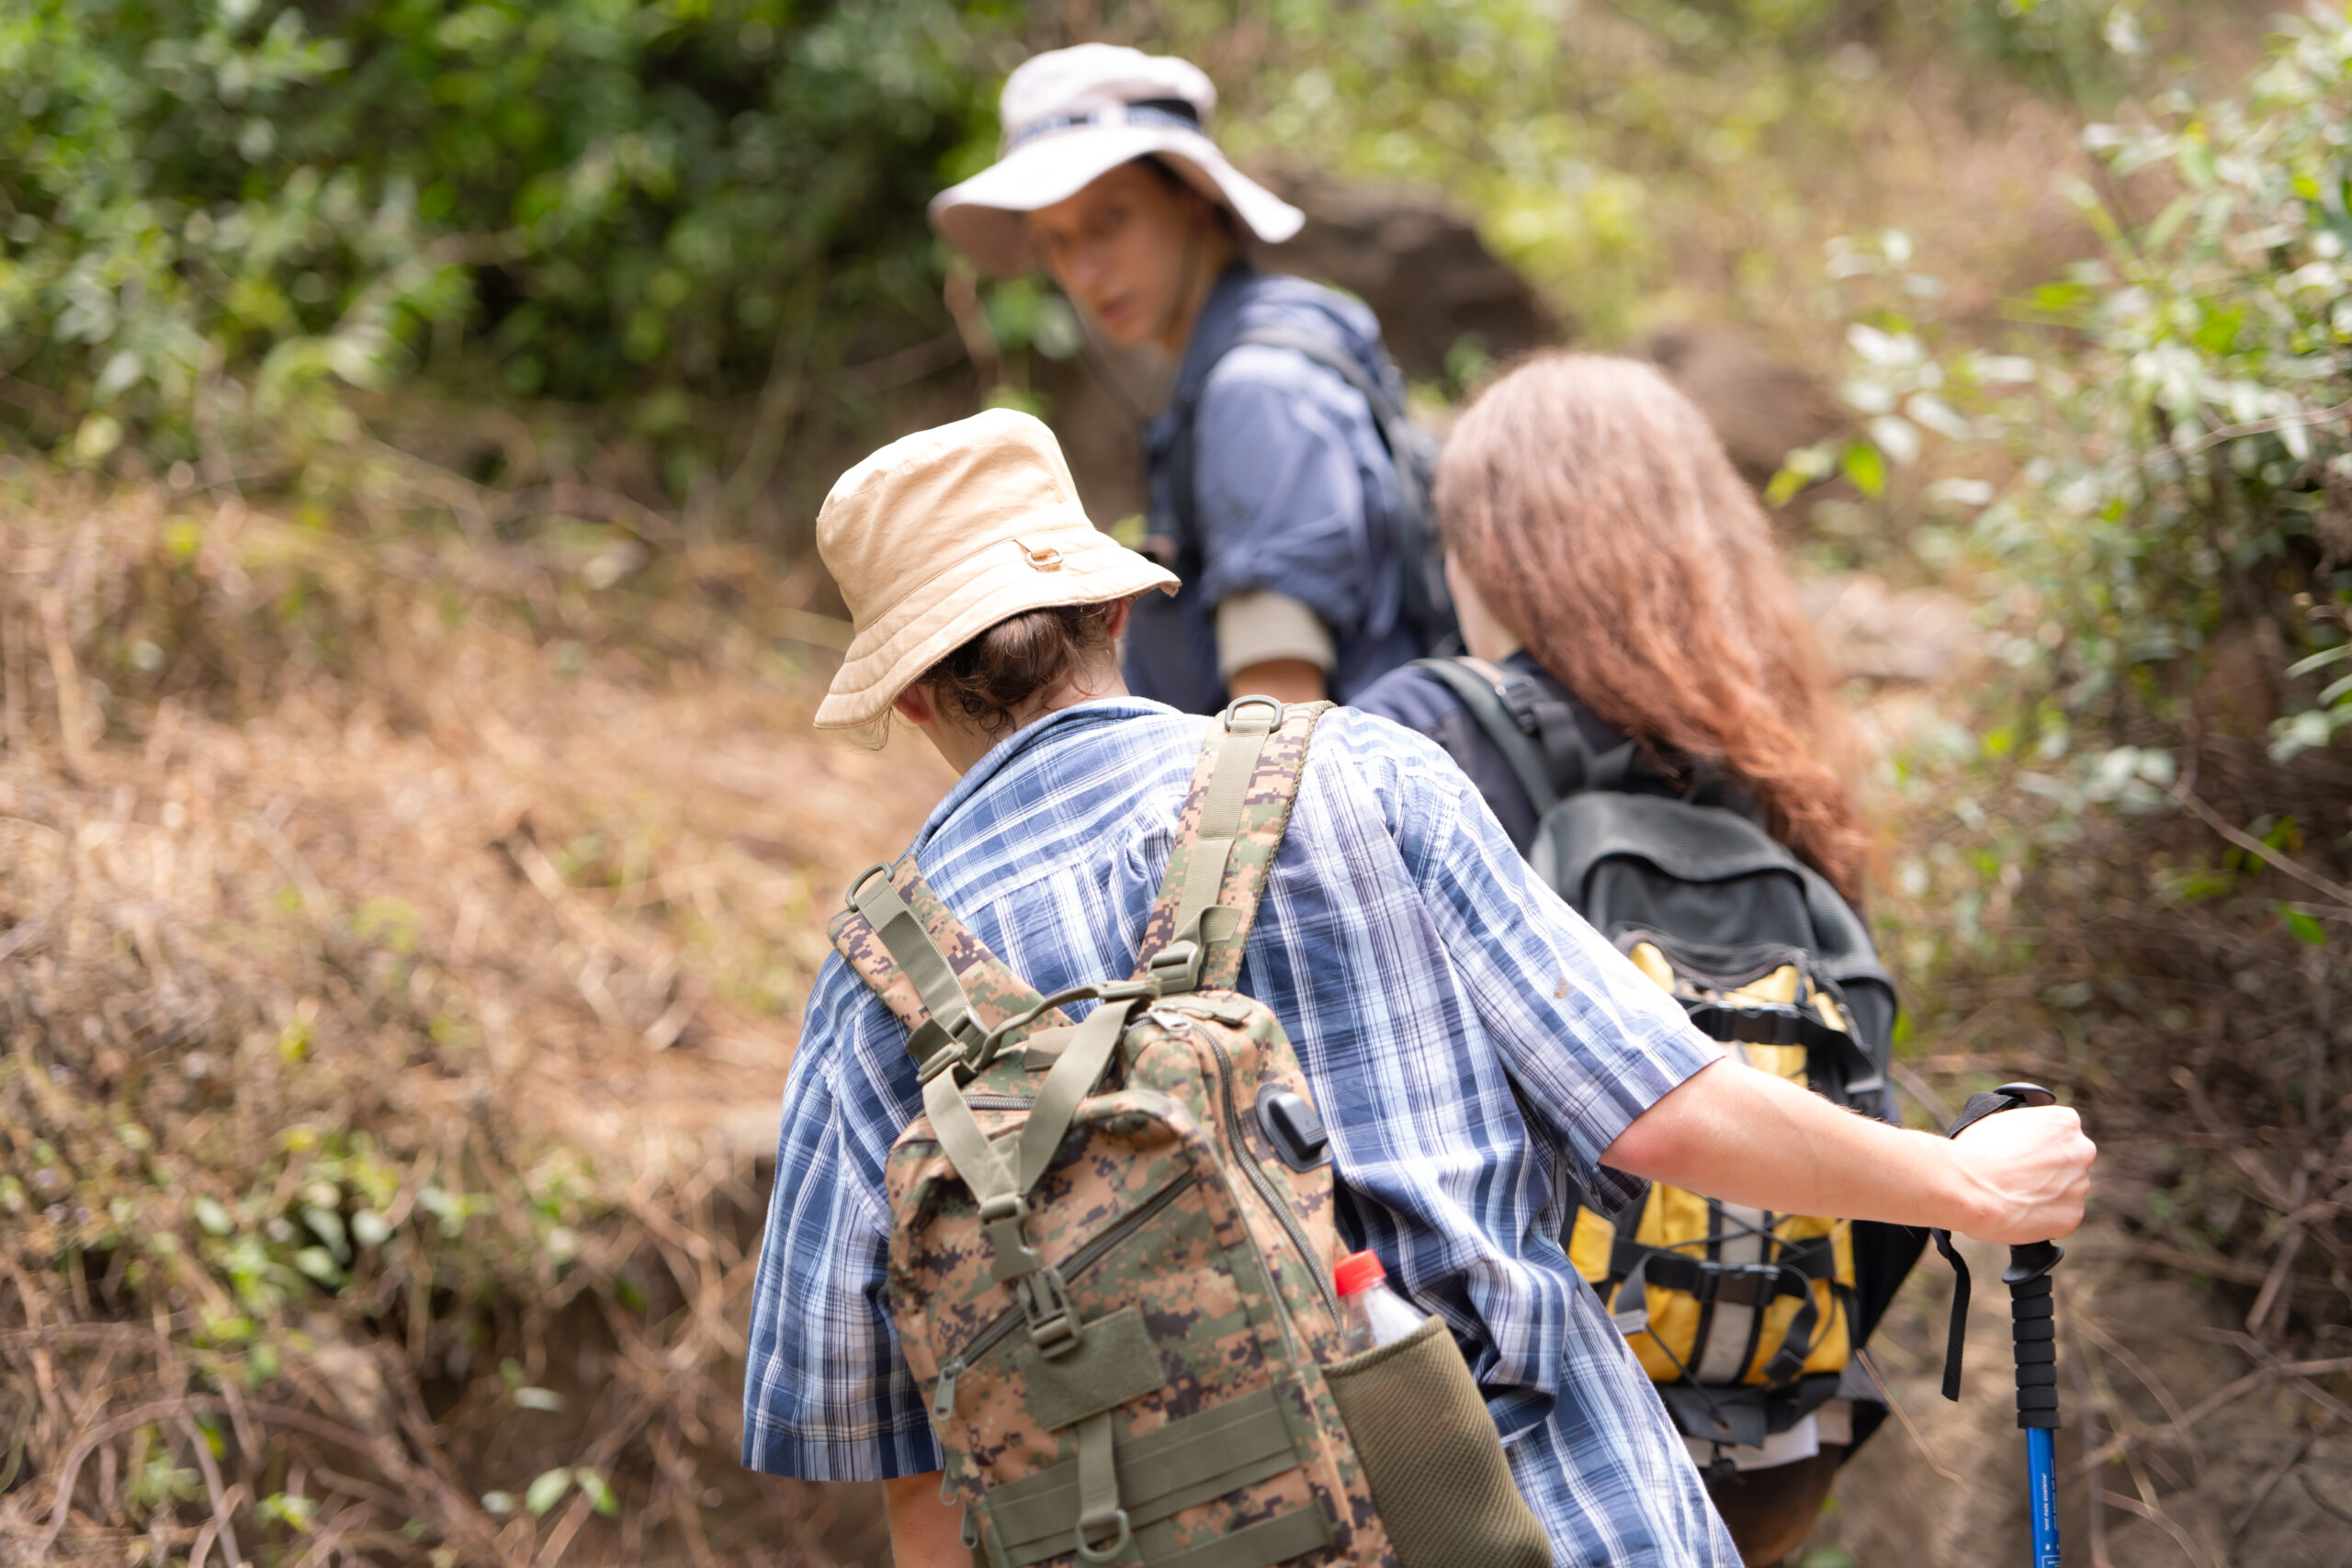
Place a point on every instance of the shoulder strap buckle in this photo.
(942, 1060)
(880, 868)
(1236, 724)
(1176, 968)
(1053, 1325)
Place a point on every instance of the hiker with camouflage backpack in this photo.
(1287, 489)
(1158, 1020)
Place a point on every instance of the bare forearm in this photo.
(1748, 1137)
(924, 1532)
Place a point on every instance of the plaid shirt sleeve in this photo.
(1589, 1041)
(1503, 1046)
(826, 1396)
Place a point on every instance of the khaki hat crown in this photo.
(943, 533)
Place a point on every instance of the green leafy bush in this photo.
(671, 203)
(204, 206)
(2179, 433)
(2134, 872)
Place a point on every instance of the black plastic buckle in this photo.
(1519, 696)
(1743, 1284)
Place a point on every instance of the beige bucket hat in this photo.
(1073, 114)
(943, 533)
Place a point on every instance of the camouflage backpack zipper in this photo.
(942, 1402)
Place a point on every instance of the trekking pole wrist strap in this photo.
(2032, 1320)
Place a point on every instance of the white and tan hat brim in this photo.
(943, 534)
(985, 216)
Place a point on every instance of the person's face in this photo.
(1126, 250)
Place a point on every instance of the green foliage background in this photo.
(661, 205)
(585, 198)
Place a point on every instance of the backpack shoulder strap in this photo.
(1185, 408)
(927, 968)
(1411, 457)
(1326, 351)
(1226, 834)
(1486, 708)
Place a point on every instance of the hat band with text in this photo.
(1174, 114)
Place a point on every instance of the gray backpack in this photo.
(1746, 1320)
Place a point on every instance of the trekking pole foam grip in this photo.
(2033, 1329)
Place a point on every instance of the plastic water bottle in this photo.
(1370, 1314)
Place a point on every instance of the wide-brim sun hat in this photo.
(1073, 114)
(943, 533)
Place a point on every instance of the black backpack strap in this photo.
(1536, 732)
(1387, 408)
(1485, 704)
(1429, 606)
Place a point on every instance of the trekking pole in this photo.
(2033, 1326)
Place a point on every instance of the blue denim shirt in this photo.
(1294, 492)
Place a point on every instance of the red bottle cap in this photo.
(1358, 1271)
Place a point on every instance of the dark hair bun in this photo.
(995, 676)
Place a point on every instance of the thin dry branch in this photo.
(2261, 850)
(2260, 1377)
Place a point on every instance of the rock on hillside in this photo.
(1420, 265)
(1433, 282)
(1761, 406)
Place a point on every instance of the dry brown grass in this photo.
(449, 971)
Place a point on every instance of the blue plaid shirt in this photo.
(1421, 973)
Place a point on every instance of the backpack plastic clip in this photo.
(881, 867)
(1114, 1521)
(1053, 1322)
(1741, 1284)
(1013, 1257)
(1175, 969)
(947, 1058)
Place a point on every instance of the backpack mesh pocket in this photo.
(1432, 1459)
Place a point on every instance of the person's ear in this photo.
(914, 705)
(1115, 623)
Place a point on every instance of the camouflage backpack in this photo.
(1111, 1243)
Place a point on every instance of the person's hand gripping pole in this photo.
(2033, 1327)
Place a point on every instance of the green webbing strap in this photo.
(919, 958)
(1073, 1077)
(1098, 1492)
(966, 1147)
(1187, 1460)
(1260, 1545)
(1247, 730)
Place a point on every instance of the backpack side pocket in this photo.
(1432, 1459)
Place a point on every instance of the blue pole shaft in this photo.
(2041, 1474)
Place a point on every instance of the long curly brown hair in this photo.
(1592, 508)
